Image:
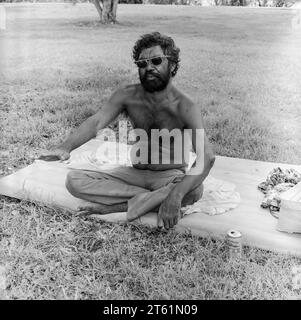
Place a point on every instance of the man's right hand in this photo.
(55, 154)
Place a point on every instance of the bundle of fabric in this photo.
(219, 196)
(277, 181)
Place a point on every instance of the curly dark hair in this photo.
(166, 43)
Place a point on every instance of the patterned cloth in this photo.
(277, 181)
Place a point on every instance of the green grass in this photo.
(58, 66)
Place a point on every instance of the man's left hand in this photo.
(170, 211)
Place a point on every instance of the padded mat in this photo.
(45, 182)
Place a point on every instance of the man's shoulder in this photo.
(122, 95)
(185, 102)
(127, 91)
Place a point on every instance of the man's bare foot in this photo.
(102, 209)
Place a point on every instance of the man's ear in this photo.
(172, 67)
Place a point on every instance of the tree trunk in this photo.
(98, 7)
(107, 10)
(114, 10)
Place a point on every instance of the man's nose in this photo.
(149, 66)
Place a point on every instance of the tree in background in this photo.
(107, 10)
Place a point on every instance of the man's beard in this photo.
(159, 82)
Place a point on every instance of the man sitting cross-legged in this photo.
(152, 105)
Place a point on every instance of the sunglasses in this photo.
(156, 61)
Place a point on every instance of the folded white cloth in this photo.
(219, 196)
(105, 156)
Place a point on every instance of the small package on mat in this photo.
(290, 210)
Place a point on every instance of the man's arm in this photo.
(170, 209)
(89, 128)
(205, 158)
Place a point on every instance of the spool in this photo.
(233, 241)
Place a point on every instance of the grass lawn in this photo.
(58, 66)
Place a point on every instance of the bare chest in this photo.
(148, 117)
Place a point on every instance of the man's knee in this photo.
(74, 182)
